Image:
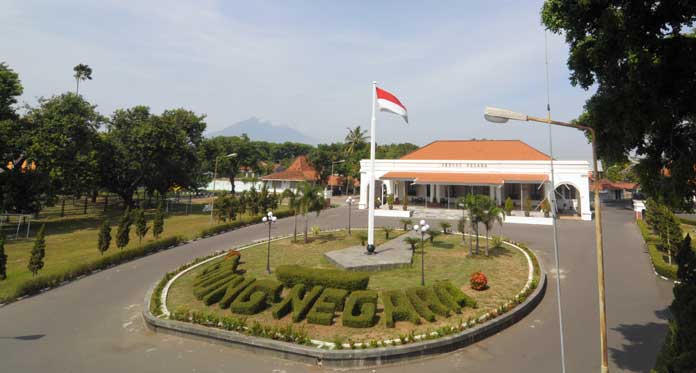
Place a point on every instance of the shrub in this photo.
(362, 236)
(509, 206)
(398, 308)
(452, 297)
(233, 291)
(207, 287)
(446, 227)
(225, 266)
(216, 294)
(546, 207)
(497, 242)
(256, 297)
(390, 201)
(478, 281)
(661, 267)
(298, 301)
(329, 301)
(360, 309)
(432, 234)
(387, 231)
(291, 275)
(426, 303)
(406, 222)
(527, 206)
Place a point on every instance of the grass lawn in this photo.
(72, 240)
(506, 269)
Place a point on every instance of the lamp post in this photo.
(497, 115)
(212, 199)
(269, 219)
(349, 202)
(422, 228)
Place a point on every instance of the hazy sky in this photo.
(304, 64)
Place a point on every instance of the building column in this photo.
(491, 193)
(522, 197)
(499, 194)
(364, 186)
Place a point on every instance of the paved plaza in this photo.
(394, 253)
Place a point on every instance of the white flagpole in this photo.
(371, 194)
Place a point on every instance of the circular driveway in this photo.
(95, 324)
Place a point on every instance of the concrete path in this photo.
(94, 324)
(394, 253)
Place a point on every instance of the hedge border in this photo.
(490, 325)
(660, 268)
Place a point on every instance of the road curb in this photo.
(351, 358)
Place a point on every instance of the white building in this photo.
(435, 175)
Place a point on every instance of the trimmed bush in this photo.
(233, 291)
(479, 281)
(452, 297)
(426, 303)
(298, 301)
(217, 294)
(661, 267)
(360, 309)
(227, 265)
(398, 308)
(256, 297)
(204, 289)
(291, 275)
(327, 304)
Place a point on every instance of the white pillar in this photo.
(364, 186)
(371, 203)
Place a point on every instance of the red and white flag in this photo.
(389, 102)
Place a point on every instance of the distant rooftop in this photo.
(480, 150)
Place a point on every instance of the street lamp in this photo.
(269, 219)
(349, 202)
(497, 115)
(212, 199)
(422, 228)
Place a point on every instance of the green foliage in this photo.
(406, 223)
(387, 231)
(311, 200)
(497, 242)
(123, 231)
(509, 206)
(362, 236)
(291, 275)
(452, 296)
(446, 227)
(257, 296)
(316, 230)
(298, 301)
(390, 201)
(412, 241)
(628, 52)
(216, 294)
(397, 307)
(330, 301)
(432, 234)
(233, 291)
(3, 258)
(104, 237)
(546, 207)
(141, 227)
(426, 303)
(208, 286)
(527, 205)
(82, 72)
(360, 309)
(158, 222)
(38, 252)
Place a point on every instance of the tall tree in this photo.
(247, 155)
(104, 237)
(355, 139)
(491, 214)
(82, 72)
(311, 200)
(123, 230)
(141, 227)
(679, 350)
(3, 258)
(634, 54)
(292, 204)
(38, 252)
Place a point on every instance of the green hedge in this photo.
(233, 291)
(687, 221)
(360, 309)
(397, 307)
(661, 267)
(452, 297)
(227, 265)
(298, 301)
(257, 296)
(426, 303)
(35, 285)
(327, 304)
(204, 289)
(217, 294)
(291, 275)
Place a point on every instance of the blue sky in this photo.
(304, 64)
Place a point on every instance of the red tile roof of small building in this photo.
(299, 170)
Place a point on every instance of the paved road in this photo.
(94, 324)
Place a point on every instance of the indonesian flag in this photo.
(389, 102)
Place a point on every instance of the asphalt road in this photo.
(94, 324)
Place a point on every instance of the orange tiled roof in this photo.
(299, 170)
(468, 179)
(335, 180)
(483, 150)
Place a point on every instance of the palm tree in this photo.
(292, 203)
(355, 138)
(82, 72)
(311, 199)
(491, 213)
(406, 222)
(474, 204)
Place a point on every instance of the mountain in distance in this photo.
(259, 130)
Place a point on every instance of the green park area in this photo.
(447, 261)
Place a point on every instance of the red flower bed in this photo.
(232, 254)
(479, 281)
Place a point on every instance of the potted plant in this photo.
(546, 207)
(509, 206)
(527, 206)
(405, 206)
(390, 201)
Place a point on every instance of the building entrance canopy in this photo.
(464, 179)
